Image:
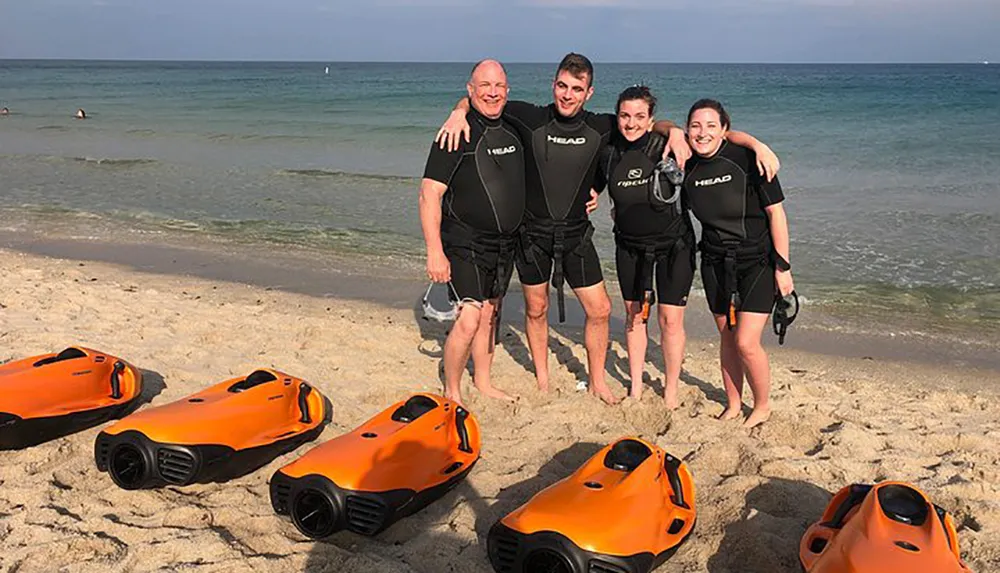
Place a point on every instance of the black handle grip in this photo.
(116, 382)
(463, 433)
(857, 495)
(942, 514)
(304, 391)
(672, 466)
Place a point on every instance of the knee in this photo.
(671, 325)
(748, 346)
(537, 308)
(467, 322)
(600, 310)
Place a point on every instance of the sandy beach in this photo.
(838, 420)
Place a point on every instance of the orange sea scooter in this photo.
(392, 466)
(625, 511)
(890, 527)
(219, 433)
(52, 395)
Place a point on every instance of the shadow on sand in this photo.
(765, 537)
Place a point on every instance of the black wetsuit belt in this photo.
(490, 251)
(662, 249)
(559, 230)
(731, 254)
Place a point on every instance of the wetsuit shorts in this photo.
(672, 279)
(754, 283)
(581, 266)
(474, 274)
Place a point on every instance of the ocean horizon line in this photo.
(508, 62)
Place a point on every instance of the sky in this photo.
(513, 30)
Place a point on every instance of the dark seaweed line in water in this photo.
(333, 173)
(116, 161)
(257, 137)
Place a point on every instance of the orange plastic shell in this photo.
(384, 454)
(586, 515)
(868, 541)
(65, 387)
(257, 416)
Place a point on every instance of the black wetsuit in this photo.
(483, 206)
(728, 195)
(561, 160)
(650, 237)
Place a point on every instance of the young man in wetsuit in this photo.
(563, 142)
(470, 238)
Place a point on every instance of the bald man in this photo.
(471, 206)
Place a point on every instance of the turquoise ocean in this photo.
(891, 172)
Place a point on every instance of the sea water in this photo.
(890, 171)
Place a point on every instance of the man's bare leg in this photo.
(482, 354)
(457, 348)
(597, 307)
(536, 326)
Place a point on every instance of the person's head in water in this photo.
(80, 114)
(707, 125)
(488, 88)
(4, 111)
(635, 109)
(573, 84)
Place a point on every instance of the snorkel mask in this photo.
(674, 175)
(431, 313)
(786, 308)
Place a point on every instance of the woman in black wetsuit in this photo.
(654, 239)
(744, 246)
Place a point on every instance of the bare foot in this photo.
(456, 398)
(491, 392)
(730, 413)
(543, 386)
(637, 396)
(670, 396)
(604, 393)
(759, 415)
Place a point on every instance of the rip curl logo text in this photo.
(502, 150)
(566, 140)
(635, 182)
(715, 181)
(634, 173)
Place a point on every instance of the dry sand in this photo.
(837, 421)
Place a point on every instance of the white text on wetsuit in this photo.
(715, 181)
(633, 179)
(567, 140)
(502, 150)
